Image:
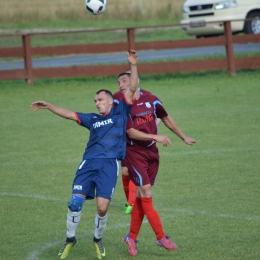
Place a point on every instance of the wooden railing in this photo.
(26, 51)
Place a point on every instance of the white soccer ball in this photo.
(96, 6)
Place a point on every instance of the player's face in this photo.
(123, 83)
(103, 103)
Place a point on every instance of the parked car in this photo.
(197, 12)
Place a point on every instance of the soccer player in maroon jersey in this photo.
(128, 186)
(142, 161)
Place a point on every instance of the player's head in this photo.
(104, 101)
(123, 80)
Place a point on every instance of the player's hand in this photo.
(163, 139)
(189, 141)
(39, 105)
(132, 57)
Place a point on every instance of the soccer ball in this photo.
(96, 6)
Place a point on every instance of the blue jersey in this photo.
(107, 133)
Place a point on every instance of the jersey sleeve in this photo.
(84, 119)
(159, 108)
(160, 111)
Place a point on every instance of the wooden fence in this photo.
(229, 63)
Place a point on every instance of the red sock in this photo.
(153, 217)
(137, 217)
(131, 193)
(125, 182)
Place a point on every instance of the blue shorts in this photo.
(96, 178)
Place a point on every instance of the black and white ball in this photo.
(96, 6)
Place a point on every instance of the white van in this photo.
(197, 12)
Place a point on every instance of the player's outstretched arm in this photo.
(170, 123)
(138, 135)
(132, 59)
(62, 112)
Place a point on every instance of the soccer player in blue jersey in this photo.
(98, 172)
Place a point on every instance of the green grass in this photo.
(79, 24)
(207, 195)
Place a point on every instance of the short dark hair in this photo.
(108, 93)
(128, 72)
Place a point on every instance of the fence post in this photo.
(131, 38)
(229, 48)
(28, 58)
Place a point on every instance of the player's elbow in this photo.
(130, 134)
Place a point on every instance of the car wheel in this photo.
(252, 27)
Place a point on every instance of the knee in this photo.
(145, 191)
(102, 206)
(76, 203)
(102, 211)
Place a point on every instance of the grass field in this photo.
(208, 195)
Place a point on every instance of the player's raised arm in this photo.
(170, 123)
(62, 112)
(132, 59)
